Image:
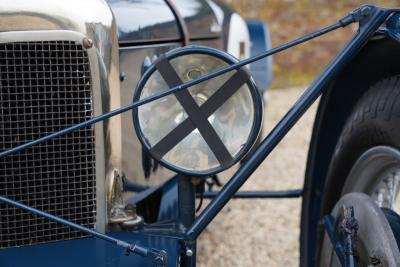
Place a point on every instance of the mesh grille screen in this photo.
(45, 87)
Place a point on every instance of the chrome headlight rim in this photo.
(254, 92)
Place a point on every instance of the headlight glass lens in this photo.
(233, 121)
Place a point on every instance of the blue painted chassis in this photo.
(260, 40)
(92, 251)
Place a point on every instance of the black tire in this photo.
(374, 121)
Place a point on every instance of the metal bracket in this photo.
(157, 256)
(295, 193)
(342, 233)
(361, 13)
(348, 228)
(392, 28)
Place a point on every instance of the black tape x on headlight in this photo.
(208, 127)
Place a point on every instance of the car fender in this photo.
(376, 61)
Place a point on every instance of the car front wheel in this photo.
(367, 160)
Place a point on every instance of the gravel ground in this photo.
(264, 232)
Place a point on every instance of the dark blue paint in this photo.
(129, 248)
(376, 61)
(346, 259)
(260, 39)
(392, 28)
(132, 187)
(169, 201)
(259, 194)
(186, 216)
(144, 194)
(329, 225)
(370, 24)
(168, 207)
(114, 258)
(90, 252)
(70, 224)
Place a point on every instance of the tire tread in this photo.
(375, 120)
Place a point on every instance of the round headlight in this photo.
(206, 128)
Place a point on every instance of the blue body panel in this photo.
(89, 252)
(169, 201)
(168, 206)
(261, 70)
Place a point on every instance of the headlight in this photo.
(206, 128)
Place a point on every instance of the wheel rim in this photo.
(377, 174)
(375, 240)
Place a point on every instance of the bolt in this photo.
(87, 43)
(122, 76)
(189, 252)
(131, 208)
(365, 11)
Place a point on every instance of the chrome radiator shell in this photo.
(89, 24)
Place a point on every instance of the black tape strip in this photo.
(228, 89)
(194, 113)
(172, 139)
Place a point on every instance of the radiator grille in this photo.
(45, 87)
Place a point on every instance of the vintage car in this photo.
(96, 96)
(64, 62)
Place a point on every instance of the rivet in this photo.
(189, 252)
(366, 10)
(122, 76)
(87, 43)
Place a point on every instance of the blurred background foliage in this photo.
(289, 19)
